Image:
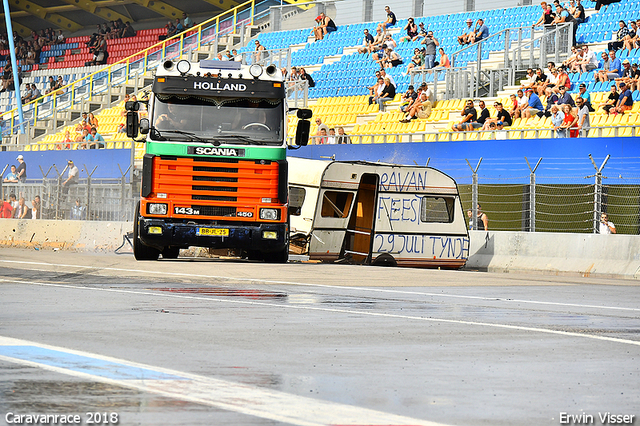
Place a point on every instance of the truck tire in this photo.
(170, 252)
(140, 251)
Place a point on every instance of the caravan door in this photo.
(329, 228)
(361, 225)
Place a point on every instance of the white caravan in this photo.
(375, 213)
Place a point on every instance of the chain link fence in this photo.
(542, 203)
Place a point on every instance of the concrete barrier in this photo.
(556, 253)
(63, 234)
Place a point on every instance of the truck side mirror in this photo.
(133, 125)
(144, 126)
(304, 114)
(302, 132)
(132, 106)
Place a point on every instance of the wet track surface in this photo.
(201, 342)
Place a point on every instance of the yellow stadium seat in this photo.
(431, 137)
(625, 132)
(546, 134)
(636, 107)
(472, 136)
(485, 136)
(444, 136)
(598, 121)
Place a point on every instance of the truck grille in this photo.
(220, 186)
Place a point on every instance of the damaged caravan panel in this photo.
(374, 213)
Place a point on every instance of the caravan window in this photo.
(336, 204)
(296, 200)
(436, 210)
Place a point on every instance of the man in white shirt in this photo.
(583, 117)
(589, 60)
(606, 227)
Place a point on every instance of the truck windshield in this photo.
(218, 119)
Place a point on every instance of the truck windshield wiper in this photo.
(243, 139)
(160, 136)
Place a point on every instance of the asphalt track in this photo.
(204, 342)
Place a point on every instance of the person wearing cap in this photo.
(534, 105)
(72, 177)
(21, 171)
(625, 101)
(422, 32)
(585, 96)
(324, 27)
(625, 77)
(611, 100)
(408, 98)
(565, 97)
(583, 118)
(465, 36)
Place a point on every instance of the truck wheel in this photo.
(277, 256)
(140, 251)
(170, 252)
(385, 259)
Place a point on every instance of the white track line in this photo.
(345, 311)
(240, 398)
(370, 289)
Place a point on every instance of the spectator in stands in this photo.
(35, 92)
(378, 41)
(389, 22)
(582, 118)
(392, 58)
(321, 127)
(374, 90)
(324, 27)
(589, 60)
(573, 58)
(615, 67)
(302, 75)
(388, 93)
(625, 101)
(12, 176)
(171, 29)
(236, 57)
(408, 98)
(634, 78)
(565, 98)
(563, 79)
(96, 139)
(631, 38)
(529, 80)
(585, 96)
(481, 31)
(331, 137)
(412, 31)
(6, 209)
(22, 211)
(36, 207)
(421, 108)
(321, 137)
(92, 121)
(422, 32)
(78, 212)
(431, 43)
(66, 142)
(179, 27)
(444, 60)
(601, 75)
(465, 37)
(611, 100)
(100, 53)
(469, 115)
(620, 37)
(187, 22)
(557, 119)
(60, 39)
(21, 171)
(552, 99)
(577, 10)
(128, 31)
(482, 118)
(521, 104)
(569, 122)
(514, 106)
(534, 105)
(626, 72)
(81, 137)
(342, 137)
(547, 15)
(26, 95)
(541, 82)
(390, 42)
(502, 115)
(425, 89)
(260, 52)
(367, 41)
(564, 17)
(417, 60)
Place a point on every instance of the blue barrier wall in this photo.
(107, 161)
(502, 159)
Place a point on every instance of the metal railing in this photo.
(229, 22)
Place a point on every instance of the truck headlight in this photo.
(156, 208)
(269, 214)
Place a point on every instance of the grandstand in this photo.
(341, 74)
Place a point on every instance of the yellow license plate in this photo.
(216, 232)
